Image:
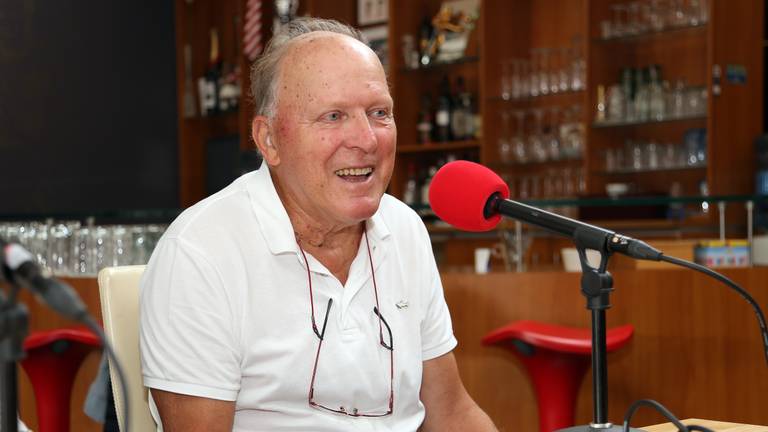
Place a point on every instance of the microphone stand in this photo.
(14, 325)
(596, 286)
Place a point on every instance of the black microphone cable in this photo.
(665, 412)
(731, 284)
(760, 320)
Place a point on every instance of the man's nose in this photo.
(360, 133)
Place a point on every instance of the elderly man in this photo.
(301, 297)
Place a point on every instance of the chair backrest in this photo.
(119, 289)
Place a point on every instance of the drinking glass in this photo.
(578, 66)
(59, 248)
(618, 26)
(554, 70)
(533, 77)
(507, 79)
(651, 155)
(544, 86)
(505, 147)
(122, 246)
(82, 260)
(518, 141)
(616, 102)
(657, 14)
(535, 139)
(678, 99)
(634, 24)
(524, 189)
(103, 247)
(551, 138)
(677, 14)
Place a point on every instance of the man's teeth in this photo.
(354, 171)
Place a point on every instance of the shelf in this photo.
(656, 170)
(622, 123)
(671, 32)
(558, 162)
(442, 65)
(438, 147)
(565, 94)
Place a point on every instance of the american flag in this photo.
(252, 45)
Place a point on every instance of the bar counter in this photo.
(696, 347)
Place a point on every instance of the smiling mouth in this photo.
(354, 174)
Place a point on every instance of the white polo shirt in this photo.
(225, 314)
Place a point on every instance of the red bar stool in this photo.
(52, 361)
(556, 359)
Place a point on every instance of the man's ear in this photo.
(261, 133)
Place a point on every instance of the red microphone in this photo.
(471, 197)
(459, 193)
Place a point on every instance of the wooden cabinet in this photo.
(508, 31)
(730, 44)
(194, 20)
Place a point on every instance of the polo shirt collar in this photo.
(274, 221)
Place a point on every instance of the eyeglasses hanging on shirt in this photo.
(320, 333)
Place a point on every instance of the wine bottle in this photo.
(459, 112)
(424, 125)
(409, 195)
(212, 76)
(443, 113)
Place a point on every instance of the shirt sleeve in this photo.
(189, 339)
(436, 328)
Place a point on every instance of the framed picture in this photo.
(372, 12)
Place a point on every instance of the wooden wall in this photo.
(696, 347)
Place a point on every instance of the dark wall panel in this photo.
(87, 106)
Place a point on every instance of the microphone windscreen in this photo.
(459, 192)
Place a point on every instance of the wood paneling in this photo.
(696, 347)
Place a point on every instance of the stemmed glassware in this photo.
(506, 154)
(535, 142)
(518, 141)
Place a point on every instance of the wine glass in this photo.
(505, 147)
(518, 140)
(535, 139)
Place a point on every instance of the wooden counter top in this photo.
(714, 425)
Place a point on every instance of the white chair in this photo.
(119, 290)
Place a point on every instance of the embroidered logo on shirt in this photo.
(402, 304)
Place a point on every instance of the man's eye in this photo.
(380, 113)
(333, 116)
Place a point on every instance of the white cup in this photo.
(482, 260)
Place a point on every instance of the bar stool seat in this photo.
(52, 361)
(556, 359)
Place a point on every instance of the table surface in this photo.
(714, 425)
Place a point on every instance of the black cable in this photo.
(732, 284)
(665, 412)
(699, 428)
(96, 328)
(659, 407)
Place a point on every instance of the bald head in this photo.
(264, 73)
(322, 63)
